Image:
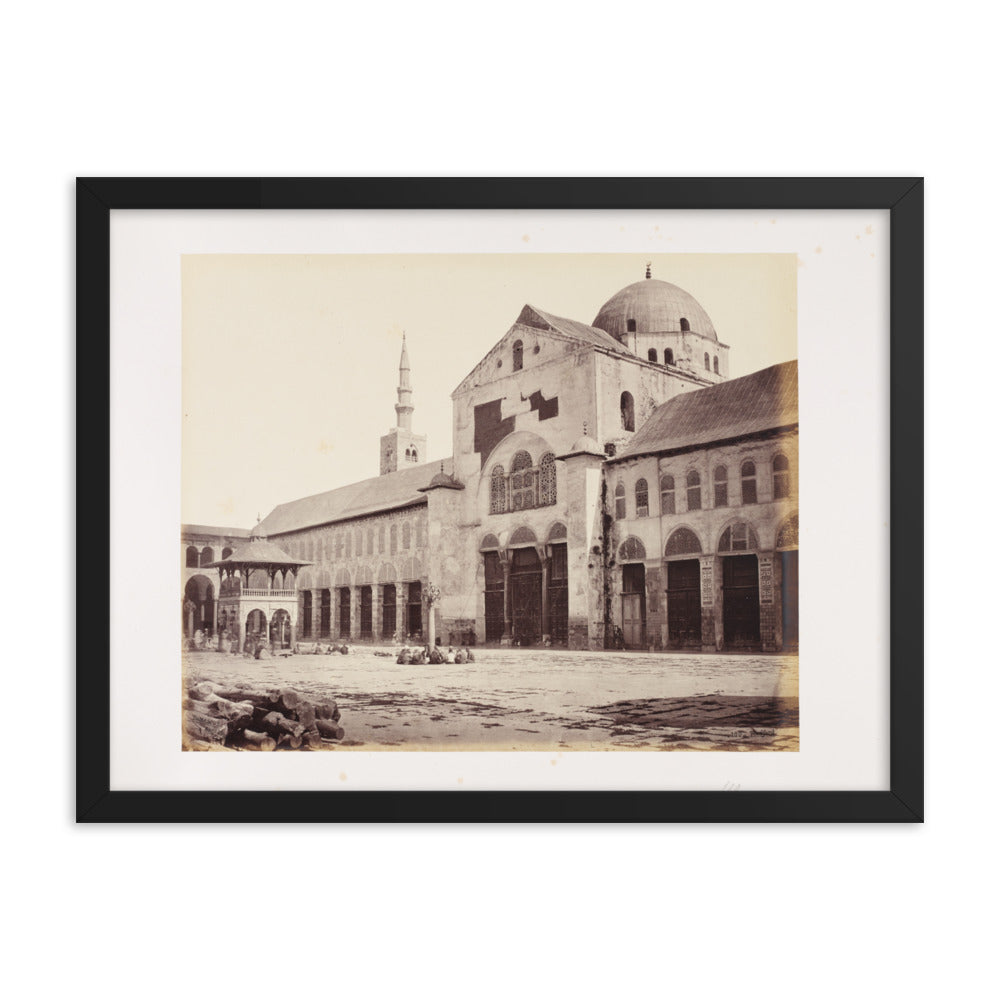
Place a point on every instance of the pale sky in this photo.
(290, 362)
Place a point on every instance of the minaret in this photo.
(401, 447)
(404, 408)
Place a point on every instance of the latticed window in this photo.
(788, 536)
(694, 491)
(547, 480)
(498, 490)
(668, 505)
(748, 474)
(682, 542)
(782, 479)
(721, 487)
(522, 482)
(620, 502)
(631, 550)
(739, 537)
(641, 498)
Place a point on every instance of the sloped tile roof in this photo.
(540, 320)
(370, 496)
(259, 552)
(763, 401)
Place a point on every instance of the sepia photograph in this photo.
(489, 502)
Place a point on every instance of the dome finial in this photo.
(649, 269)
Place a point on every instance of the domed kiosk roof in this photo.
(657, 307)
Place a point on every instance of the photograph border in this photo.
(903, 197)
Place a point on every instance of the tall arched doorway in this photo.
(199, 604)
(281, 629)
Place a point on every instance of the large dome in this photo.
(655, 307)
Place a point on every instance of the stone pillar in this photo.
(401, 596)
(356, 612)
(378, 598)
(546, 559)
(508, 597)
(291, 633)
(768, 606)
(189, 608)
(317, 611)
(709, 572)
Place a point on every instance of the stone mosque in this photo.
(609, 486)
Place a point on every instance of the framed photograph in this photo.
(473, 499)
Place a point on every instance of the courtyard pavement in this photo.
(538, 699)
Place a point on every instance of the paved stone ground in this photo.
(540, 699)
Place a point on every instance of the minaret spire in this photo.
(404, 408)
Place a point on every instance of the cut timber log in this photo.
(329, 730)
(277, 725)
(312, 740)
(257, 741)
(289, 741)
(327, 710)
(201, 726)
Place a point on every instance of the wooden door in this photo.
(740, 602)
(526, 597)
(684, 603)
(632, 620)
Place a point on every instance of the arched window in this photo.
(739, 537)
(406, 534)
(694, 491)
(782, 479)
(547, 480)
(518, 355)
(371, 541)
(631, 550)
(652, 354)
(685, 325)
(498, 491)
(620, 502)
(708, 364)
(641, 498)
(522, 482)
(227, 552)
(393, 539)
(668, 356)
(381, 538)
(715, 364)
(207, 555)
(721, 486)
(359, 546)
(748, 475)
(347, 545)
(668, 504)
(628, 411)
(682, 542)
(191, 557)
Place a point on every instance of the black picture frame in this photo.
(96, 802)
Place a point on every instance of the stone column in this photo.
(708, 603)
(508, 597)
(546, 560)
(317, 611)
(401, 596)
(378, 598)
(355, 613)
(765, 582)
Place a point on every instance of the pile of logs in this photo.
(246, 718)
